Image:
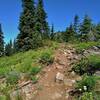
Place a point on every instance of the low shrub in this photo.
(87, 96)
(80, 47)
(87, 83)
(12, 78)
(81, 66)
(35, 70)
(46, 58)
(34, 79)
(87, 65)
(94, 61)
(2, 97)
(96, 95)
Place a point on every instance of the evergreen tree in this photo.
(98, 31)
(59, 36)
(92, 34)
(9, 49)
(52, 32)
(85, 28)
(15, 49)
(69, 35)
(76, 24)
(26, 25)
(41, 23)
(1, 42)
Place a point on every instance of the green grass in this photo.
(88, 81)
(95, 61)
(35, 70)
(24, 61)
(13, 67)
(34, 79)
(3, 97)
(84, 45)
(94, 58)
(87, 65)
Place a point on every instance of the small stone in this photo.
(78, 78)
(49, 70)
(67, 96)
(95, 47)
(56, 96)
(65, 52)
(46, 75)
(46, 85)
(59, 67)
(35, 92)
(97, 73)
(76, 57)
(69, 82)
(59, 77)
(69, 58)
(61, 62)
(73, 73)
(68, 51)
(37, 76)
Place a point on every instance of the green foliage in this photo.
(58, 36)
(33, 26)
(79, 32)
(98, 31)
(88, 81)
(96, 95)
(87, 96)
(52, 34)
(34, 79)
(26, 26)
(69, 35)
(22, 62)
(81, 66)
(9, 49)
(85, 28)
(85, 45)
(94, 60)
(2, 97)
(12, 78)
(1, 42)
(52, 44)
(35, 70)
(76, 24)
(87, 65)
(46, 58)
(41, 23)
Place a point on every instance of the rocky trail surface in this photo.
(55, 80)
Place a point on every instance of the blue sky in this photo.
(60, 13)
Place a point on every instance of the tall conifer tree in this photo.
(69, 34)
(1, 42)
(76, 24)
(52, 32)
(98, 31)
(41, 23)
(85, 28)
(9, 48)
(26, 25)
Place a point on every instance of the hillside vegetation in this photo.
(24, 61)
(29, 64)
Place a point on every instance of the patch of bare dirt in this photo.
(53, 87)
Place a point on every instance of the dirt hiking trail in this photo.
(56, 80)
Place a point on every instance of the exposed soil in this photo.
(47, 87)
